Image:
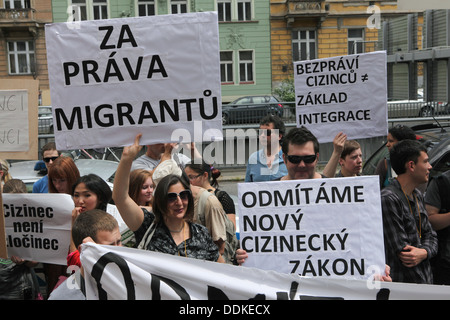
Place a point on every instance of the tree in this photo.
(286, 91)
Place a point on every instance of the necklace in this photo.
(419, 230)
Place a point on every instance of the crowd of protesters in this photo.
(173, 204)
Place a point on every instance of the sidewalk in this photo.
(232, 174)
(238, 174)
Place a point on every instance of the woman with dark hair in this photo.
(89, 192)
(395, 135)
(205, 176)
(169, 227)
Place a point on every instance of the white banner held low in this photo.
(342, 93)
(313, 227)
(153, 75)
(38, 226)
(119, 273)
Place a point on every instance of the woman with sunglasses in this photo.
(171, 216)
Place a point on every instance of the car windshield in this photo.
(434, 139)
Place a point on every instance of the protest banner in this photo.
(38, 226)
(18, 119)
(120, 273)
(14, 120)
(313, 227)
(342, 92)
(156, 75)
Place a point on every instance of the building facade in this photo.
(313, 29)
(244, 32)
(22, 41)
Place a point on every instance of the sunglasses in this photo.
(194, 177)
(173, 196)
(50, 158)
(297, 159)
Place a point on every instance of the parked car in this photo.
(437, 140)
(435, 109)
(251, 109)
(45, 120)
(417, 108)
(30, 171)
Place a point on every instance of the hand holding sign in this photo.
(133, 150)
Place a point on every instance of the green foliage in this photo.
(286, 91)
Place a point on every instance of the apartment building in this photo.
(22, 41)
(244, 32)
(312, 29)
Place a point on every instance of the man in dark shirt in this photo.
(410, 241)
(438, 207)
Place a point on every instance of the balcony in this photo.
(299, 7)
(16, 15)
(312, 10)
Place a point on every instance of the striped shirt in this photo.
(402, 227)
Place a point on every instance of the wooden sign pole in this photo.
(3, 250)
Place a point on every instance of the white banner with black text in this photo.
(120, 273)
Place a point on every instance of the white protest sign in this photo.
(313, 227)
(158, 75)
(120, 273)
(38, 226)
(347, 93)
(14, 120)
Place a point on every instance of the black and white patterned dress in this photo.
(199, 246)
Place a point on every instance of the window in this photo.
(79, 11)
(178, 6)
(246, 66)
(89, 10)
(21, 57)
(244, 10)
(355, 41)
(234, 10)
(17, 4)
(226, 67)
(224, 10)
(146, 8)
(100, 9)
(304, 45)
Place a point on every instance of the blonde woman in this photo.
(4, 173)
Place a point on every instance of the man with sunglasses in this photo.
(300, 154)
(49, 154)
